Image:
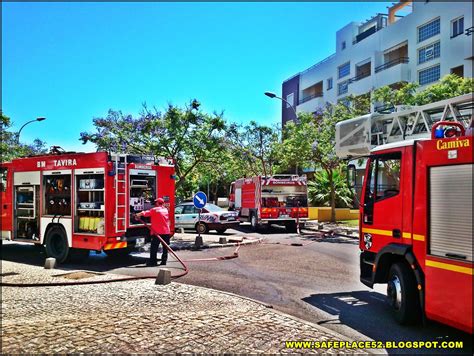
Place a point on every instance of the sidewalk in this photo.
(141, 317)
(332, 228)
(185, 240)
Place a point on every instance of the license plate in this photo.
(231, 219)
(284, 216)
(140, 242)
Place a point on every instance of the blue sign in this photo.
(200, 200)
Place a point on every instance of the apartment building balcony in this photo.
(359, 84)
(394, 71)
(310, 103)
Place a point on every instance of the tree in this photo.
(319, 190)
(11, 148)
(408, 94)
(254, 146)
(188, 135)
(248, 150)
(311, 141)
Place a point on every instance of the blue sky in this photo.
(71, 62)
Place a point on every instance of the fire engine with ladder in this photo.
(73, 203)
(279, 199)
(415, 222)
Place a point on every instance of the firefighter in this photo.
(160, 225)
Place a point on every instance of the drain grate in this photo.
(79, 275)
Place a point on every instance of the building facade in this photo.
(419, 41)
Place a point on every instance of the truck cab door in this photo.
(382, 205)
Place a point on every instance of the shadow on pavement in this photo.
(367, 311)
(32, 255)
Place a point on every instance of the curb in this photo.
(269, 306)
(328, 232)
(253, 241)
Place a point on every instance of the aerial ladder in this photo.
(356, 137)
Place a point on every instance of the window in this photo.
(343, 45)
(329, 84)
(428, 30)
(459, 71)
(342, 88)
(290, 98)
(428, 53)
(344, 70)
(429, 75)
(190, 209)
(178, 209)
(384, 177)
(457, 27)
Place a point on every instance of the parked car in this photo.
(212, 218)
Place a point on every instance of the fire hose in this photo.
(235, 254)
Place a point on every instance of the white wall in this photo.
(454, 51)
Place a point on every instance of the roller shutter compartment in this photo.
(451, 211)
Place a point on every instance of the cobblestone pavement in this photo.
(140, 317)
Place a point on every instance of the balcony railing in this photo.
(391, 63)
(308, 98)
(359, 77)
(365, 34)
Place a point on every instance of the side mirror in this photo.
(351, 176)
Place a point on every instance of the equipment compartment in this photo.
(90, 203)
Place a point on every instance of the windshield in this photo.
(212, 208)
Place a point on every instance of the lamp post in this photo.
(26, 123)
(273, 95)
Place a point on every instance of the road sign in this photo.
(200, 200)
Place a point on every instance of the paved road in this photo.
(317, 282)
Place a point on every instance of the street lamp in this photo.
(273, 95)
(29, 122)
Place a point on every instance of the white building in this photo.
(432, 40)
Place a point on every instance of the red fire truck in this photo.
(416, 208)
(280, 200)
(73, 203)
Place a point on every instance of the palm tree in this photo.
(319, 190)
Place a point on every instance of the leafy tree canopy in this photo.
(408, 94)
(188, 135)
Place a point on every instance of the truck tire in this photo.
(202, 228)
(56, 244)
(254, 222)
(402, 294)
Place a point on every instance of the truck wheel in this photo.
(290, 226)
(56, 244)
(202, 228)
(402, 294)
(254, 222)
